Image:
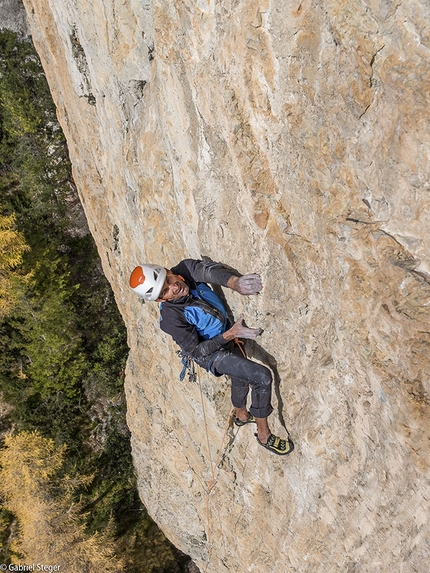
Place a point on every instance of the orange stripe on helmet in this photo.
(137, 277)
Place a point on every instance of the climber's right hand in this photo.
(239, 330)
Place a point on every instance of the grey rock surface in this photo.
(13, 17)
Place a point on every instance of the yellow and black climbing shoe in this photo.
(277, 445)
(244, 422)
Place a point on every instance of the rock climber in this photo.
(195, 317)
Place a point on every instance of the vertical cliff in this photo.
(292, 139)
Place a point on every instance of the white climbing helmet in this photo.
(147, 281)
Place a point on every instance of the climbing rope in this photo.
(240, 344)
(209, 485)
(206, 430)
(215, 466)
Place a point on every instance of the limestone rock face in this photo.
(290, 139)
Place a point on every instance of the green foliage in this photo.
(34, 164)
(20, 114)
(7, 521)
(63, 343)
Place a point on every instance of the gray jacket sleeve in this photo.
(204, 272)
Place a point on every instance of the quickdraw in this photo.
(188, 364)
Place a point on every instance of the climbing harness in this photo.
(188, 362)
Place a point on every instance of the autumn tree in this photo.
(51, 527)
(12, 247)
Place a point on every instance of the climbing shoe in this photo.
(277, 445)
(244, 422)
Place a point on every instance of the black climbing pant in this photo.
(245, 373)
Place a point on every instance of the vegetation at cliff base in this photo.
(50, 523)
(65, 466)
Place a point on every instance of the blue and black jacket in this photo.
(197, 321)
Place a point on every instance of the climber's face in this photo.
(174, 287)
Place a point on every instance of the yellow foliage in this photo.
(12, 248)
(12, 243)
(20, 119)
(50, 524)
